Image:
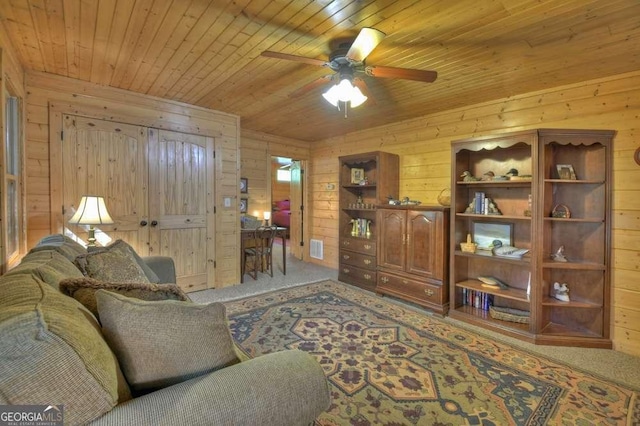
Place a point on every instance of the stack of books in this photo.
(477, 299)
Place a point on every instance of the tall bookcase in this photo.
(558, 204)
(366, 180)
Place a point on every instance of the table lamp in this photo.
(267, 217)
(91, 211)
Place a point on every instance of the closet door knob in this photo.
(143, 223)
(154, 223)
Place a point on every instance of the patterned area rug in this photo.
(391, 365)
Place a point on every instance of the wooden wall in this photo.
(423, 145)
(45, 91)
(256, 150)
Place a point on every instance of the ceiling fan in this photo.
(348, 63)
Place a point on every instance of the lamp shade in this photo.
(344, 91)
(91, 211)
(267, 215)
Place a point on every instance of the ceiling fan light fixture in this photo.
(344, 92)
(357, 98)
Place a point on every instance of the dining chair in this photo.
(260, 256)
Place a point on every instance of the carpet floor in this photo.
(392, 365)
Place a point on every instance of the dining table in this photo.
(248, 234)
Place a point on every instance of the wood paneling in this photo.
(207, 52)
(423, 145)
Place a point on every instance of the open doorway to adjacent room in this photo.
(287, 200)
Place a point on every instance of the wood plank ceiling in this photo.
(207, 52)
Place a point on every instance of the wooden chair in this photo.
(260, 256)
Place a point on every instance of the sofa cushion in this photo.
(84, 291)
(62, 244)
(48, 265)
(159, 344)
(115, 263)
(52, 351)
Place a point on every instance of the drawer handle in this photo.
(405, 282)
(345, 243)
(346, 270)
(367, 262)
(346, 256)
(367, 276)
(429, 292)
(384, 280)
(368, 246)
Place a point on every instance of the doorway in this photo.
(287, 200)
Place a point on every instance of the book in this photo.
(479, 203)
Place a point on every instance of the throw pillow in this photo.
(114, 263)
(84, 291)
(125, 247)
(159, 344)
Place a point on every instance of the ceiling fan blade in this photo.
(309, 61)
(367, 40)
(362, 85)
(310, 86)
(403, 73)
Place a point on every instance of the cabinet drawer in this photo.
(360, 245)
(416, 291)
(362, 277)
(357, 259)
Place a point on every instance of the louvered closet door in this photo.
(181, 188)
(107, 159)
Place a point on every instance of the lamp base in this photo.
(91, 240)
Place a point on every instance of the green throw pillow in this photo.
(84, 291)
(159, 344)
(114, 263)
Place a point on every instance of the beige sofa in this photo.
(52, 352)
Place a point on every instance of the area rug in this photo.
(392, 365)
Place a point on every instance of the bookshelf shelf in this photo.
(476, 285)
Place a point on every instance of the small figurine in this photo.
(559, 256)
(468, 177)
(488, 176)
(561, 291)
(512, 172)
(393, 201)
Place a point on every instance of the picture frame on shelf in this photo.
(244, 205)
(244, 185)
(566, 172)
(357, 175)
(484, 233)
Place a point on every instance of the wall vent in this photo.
(316, 249)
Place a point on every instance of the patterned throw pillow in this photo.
(84, 291)
(159, 344)
(114, 263)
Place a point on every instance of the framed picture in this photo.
(484, 233)
(244, 205)
(566, 172)
(244, 185)
(357, 175)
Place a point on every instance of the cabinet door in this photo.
(181, 175)
(391, 242)
(424, 243)
(107, 159)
